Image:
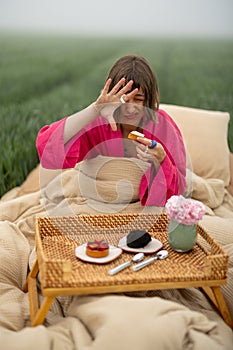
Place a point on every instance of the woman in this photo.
(129, 101)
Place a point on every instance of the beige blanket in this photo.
(170, 319)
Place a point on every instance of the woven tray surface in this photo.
(57, 238)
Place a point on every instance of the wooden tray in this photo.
(57, 237)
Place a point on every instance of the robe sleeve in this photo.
(95, 138)
(53, 154)
(157, 187)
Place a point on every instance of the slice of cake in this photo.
(138, 239)
(97, 248)
(134, 134)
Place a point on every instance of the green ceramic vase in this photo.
(182, 238)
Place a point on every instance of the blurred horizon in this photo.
(131, 19)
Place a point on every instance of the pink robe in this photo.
(98, 138)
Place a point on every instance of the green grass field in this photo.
(43, 79)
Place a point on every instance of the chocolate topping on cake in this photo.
(138, 239)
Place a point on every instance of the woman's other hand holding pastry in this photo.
(144, 152)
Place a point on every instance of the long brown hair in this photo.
(136, 68)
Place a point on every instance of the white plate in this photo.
(114, 252)
(152, 247)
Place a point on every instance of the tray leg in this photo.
(222, 306)
(208, 291)
(215, 295)
(39, 316)
(32, 274)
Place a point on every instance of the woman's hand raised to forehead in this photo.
(117, 91)
(105, 105)
(108, 101)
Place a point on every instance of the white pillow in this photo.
(205, 135)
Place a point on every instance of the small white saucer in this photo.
(152, 247)
(114, 252)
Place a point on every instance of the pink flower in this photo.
(184, 210)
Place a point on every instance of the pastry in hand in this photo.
(138, 239)
(134, 134)
(97, 248)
